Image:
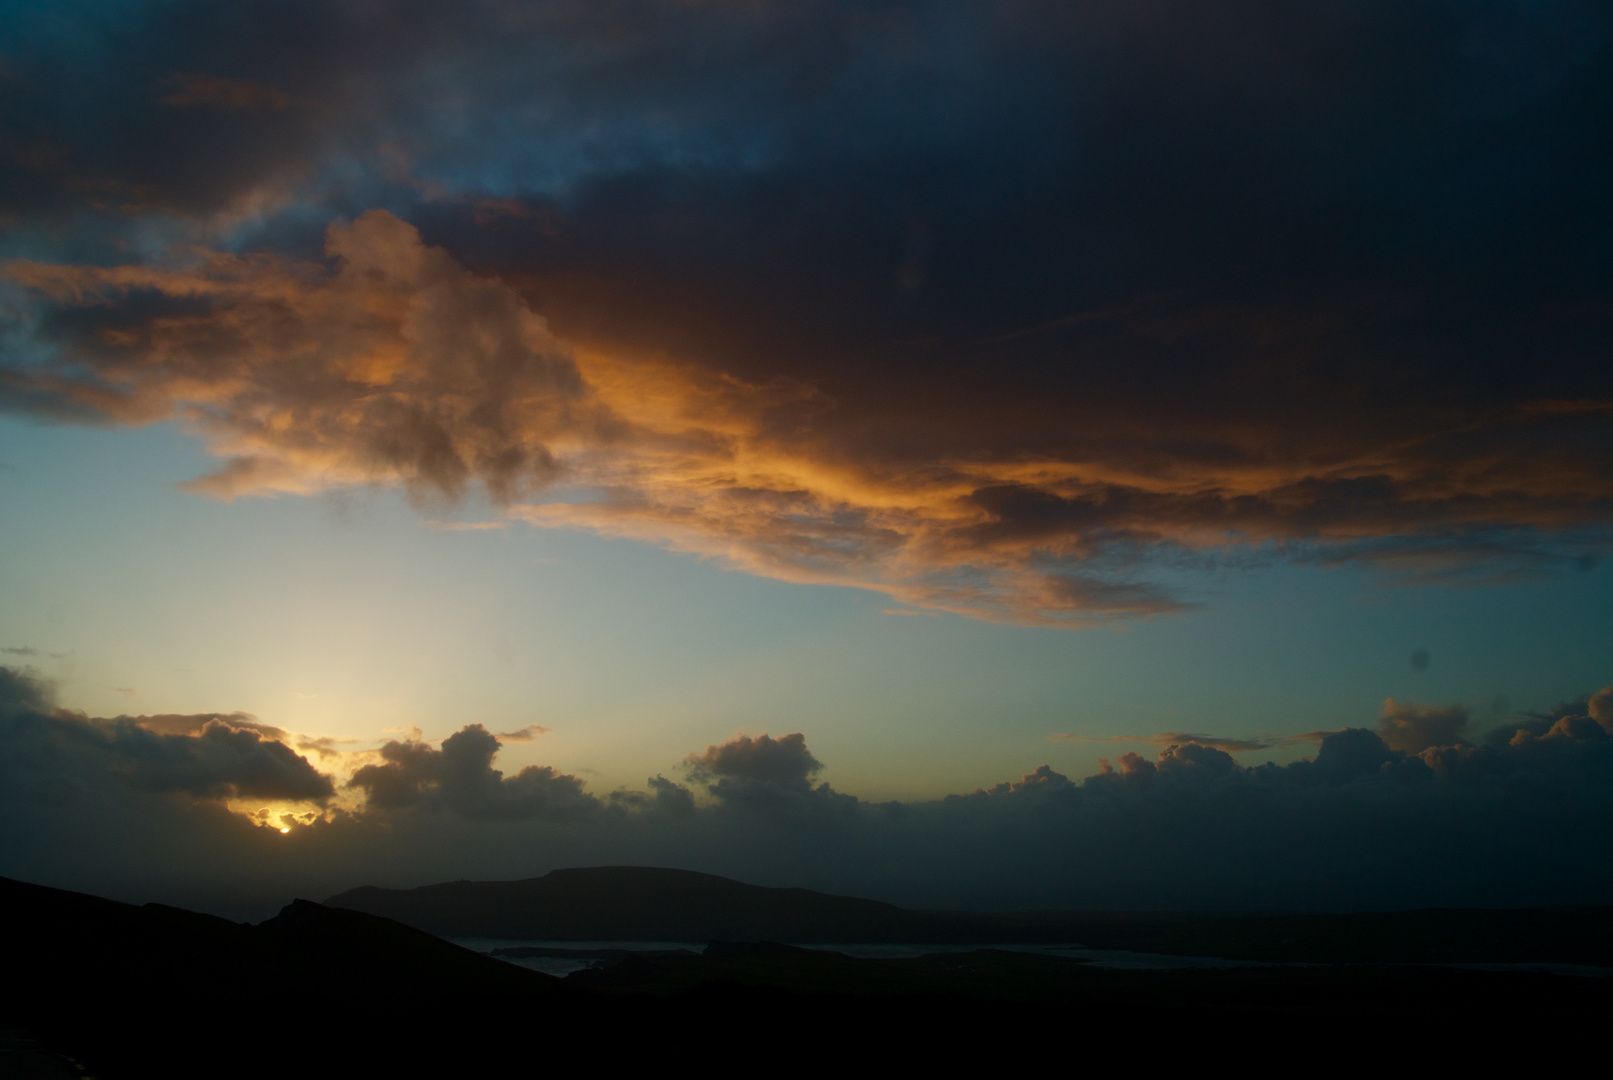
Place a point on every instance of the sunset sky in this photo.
(958, 390)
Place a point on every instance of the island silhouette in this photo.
(368, 984)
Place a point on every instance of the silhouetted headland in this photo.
(320, 990)
(629, 903)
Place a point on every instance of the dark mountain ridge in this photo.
(636, 903)
(118, 990)
(57, 936)
(628, 903)
(158, 991)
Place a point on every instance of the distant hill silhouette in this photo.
(323, 991)
(637, 903)
(629, 903)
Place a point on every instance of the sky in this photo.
(1094, 453)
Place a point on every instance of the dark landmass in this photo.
(320, 991)
(525, 952)
(1568, 935)
(635, 903)
(160, 991)
(80, 946)
(1247, 996)
(625, 903)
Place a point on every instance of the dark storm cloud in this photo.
(185, 108)
(993, 308)
(460, 777)
(665, 796)
(206, 757)
(768, 779)
(231, 95)
(1516, 815)
(785, 761)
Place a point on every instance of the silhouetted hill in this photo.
(320, 991)
(1570, 935)
(159, 991)
(636, 903)
(166, 950)
(625, 903)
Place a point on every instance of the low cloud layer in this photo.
(56, 753)
(1017, 312)
(784, 761)
(1515, 814)
(461, 779)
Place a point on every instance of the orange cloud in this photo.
(393, 364)
(529, 733)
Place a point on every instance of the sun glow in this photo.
(283, 818)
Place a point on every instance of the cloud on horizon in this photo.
(1515, 817)
(211, 756)
(460, 777)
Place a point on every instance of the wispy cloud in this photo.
(527, 734)
(1182, 738)
(465, 526)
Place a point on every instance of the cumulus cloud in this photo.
(785, 761)
(206, 757)
(1513, 816)
(767, 778)
(1600, 708)
(665, 796)
(460, 777)
(1568, 716)
(1414, 728)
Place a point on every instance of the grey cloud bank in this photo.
(1519, 816)
(460, 778)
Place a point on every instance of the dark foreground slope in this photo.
(156, 991)
(1223, 998)
(626, 903)
(70, 946)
